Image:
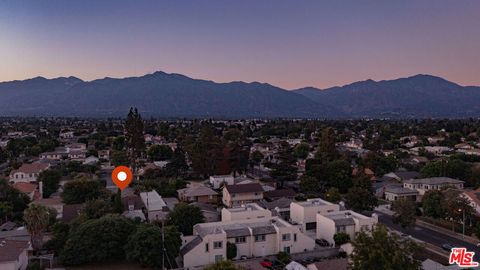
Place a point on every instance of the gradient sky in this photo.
(286, 43)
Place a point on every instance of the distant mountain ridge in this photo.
(419, 96)
(174, 95)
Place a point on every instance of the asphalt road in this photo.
(428, 235)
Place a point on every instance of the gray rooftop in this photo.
(434, 181)
(400, 190)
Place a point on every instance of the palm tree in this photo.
(36, 218)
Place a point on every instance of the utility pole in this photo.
(163, 245)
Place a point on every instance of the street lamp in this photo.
(463, 222)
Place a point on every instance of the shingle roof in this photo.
(197, 191)
(244, 188)
(32, 168)
(10, 250)
(404, 175)
(434, 181)
(400, 190)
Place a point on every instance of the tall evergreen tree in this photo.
(134, 136)
(285, 169)
(327, 150)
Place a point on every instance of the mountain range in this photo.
(173, 95)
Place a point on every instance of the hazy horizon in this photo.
(286, 44)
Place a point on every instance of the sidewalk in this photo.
(459, 236)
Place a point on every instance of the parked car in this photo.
(266, 263)
(447, 247)
(322, 242)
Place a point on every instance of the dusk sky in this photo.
(290, 44)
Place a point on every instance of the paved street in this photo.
(428, 235)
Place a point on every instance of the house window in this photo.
(218, 258)
(286, 237)
(206, 247)
(260, 238)
(341, 228)
(286, 250)
(240, 239)
(217, 245)
(294, 237)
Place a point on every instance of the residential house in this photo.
(77, 155)
(253, 237)
(434, 183)
(66, 135)
(155, 206)
(104, 154)
(305, 213)
(76, 147)
(403, 175)
(474, 197)
(343, 221)
(51, 155)
(247, 211)
(14, 254)
(28, 172)
(393, 193)
(53, 202)
(470, 152)
(217, 181)
(198, 194)
(209, 211)
(236, 195)
(91, 160)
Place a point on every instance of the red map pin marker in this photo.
(122, 177)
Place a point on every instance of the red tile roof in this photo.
(32, 168)
(25, 187)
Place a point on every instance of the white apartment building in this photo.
(434, 183)
(248, 211)
(343, 221)
(305, 213)
(254, 237)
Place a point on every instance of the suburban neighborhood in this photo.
(254, 193)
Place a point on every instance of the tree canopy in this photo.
(97, 240)
(145, 246)
(382, 250)
(184, 216)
